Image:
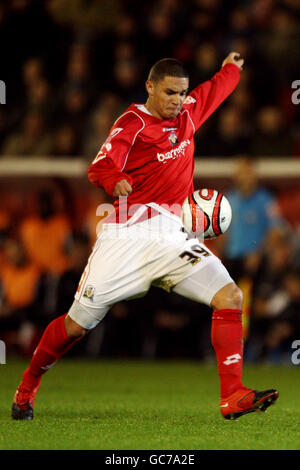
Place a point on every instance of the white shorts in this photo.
(127, 260)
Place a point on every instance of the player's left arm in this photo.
(208, 96)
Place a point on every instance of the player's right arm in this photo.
(107, 168)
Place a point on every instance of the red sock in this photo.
(227, 340)
(54, 343)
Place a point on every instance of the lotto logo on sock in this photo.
(48, 367)
(232, 359)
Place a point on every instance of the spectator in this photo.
(32, 71)
(126, 75)
(255, 218)
(92, 15)
(269, 297)
(79, 73)
(65, 142)
(243, 99)
(33, 140)
(206, 62)
(286, 328)
(44, 235)
(74, 110)
(5, 225)
(56, 291)
(231, 138)
(124, 51)
(77, 250)
(37, 92)
(207, 18)
(158, 37)
(19, 279)
(39, 97)
(240, 23)
(272, 138)
(101, 123)
(279, 43)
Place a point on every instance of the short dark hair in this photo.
(167, 68)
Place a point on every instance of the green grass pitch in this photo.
(132, 405)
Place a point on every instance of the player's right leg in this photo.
(115, 271)
(59, 336)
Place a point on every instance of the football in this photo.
(206, 213)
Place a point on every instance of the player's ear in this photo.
(150, 87)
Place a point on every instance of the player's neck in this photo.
(151, 109)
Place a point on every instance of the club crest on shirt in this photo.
(173, 138)
(89, 292)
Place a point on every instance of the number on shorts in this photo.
(194, 258)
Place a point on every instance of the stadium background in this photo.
(70, 68)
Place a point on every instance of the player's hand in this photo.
(122, 188)
(234, 58)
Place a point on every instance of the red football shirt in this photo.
(156, 156)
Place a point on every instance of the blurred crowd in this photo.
(70, 69)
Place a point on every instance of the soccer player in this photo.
(147, 164)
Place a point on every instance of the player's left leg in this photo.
(227, 337)
(213, 286)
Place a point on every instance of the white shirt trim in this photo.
(143, 108)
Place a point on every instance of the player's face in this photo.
(166, 96)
